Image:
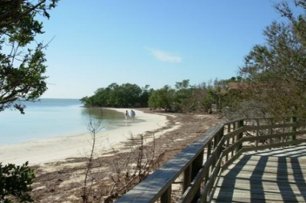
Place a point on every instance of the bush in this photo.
(15, 183)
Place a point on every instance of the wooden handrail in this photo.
(199, 164)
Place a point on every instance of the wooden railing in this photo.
(192, 174)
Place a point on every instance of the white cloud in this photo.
(165, 56)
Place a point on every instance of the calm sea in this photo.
(52, 117)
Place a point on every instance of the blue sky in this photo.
(157, 42)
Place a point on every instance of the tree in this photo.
(162, 99)
(125, 95)
(22, 61)
(22, 77)
(182, 93)
(145, 95)
(130, 95)
(15, 183)
(275, 71)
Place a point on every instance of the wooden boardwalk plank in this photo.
(263, 176)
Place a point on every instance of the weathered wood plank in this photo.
(235, 133)
(277, 135)
(263, 178)
(273, 145)
(266, 127)
(268, 197)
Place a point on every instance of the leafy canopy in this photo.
(22, 60)
(15, 183)
(22, 77)
(276, 70)
(125, 95)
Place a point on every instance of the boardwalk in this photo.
(276, 175)
(273, 175)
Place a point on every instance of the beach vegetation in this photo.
(134, 166)
(275, 71)
(184, 97)
(194, 98)
(162, 98)
(15, 183)
(94, 126)
(114, 95)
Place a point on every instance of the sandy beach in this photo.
(63, 181)
(59, 148)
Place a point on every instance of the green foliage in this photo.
(210, 99)
(15, 183)
(276, 70)
(22, 77)
(22, 60)
(162, 98)
(183, 98)
(144, 97)
(125, 95)
(187, 98)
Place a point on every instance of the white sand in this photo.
(59, 148)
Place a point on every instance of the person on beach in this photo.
(126, 114)
(133, 114)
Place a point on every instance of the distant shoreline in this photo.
(60, 148)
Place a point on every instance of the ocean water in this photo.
(52, 117)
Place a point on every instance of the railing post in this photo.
(239, 136)
(196, 166)
(271, 131)
(187, 178)
(228, 140)
(257, 134)
(217, 139)
(293, 120)
(221, 142)
(166, 197)
(207, 157)
(233, 138)
(208, 150)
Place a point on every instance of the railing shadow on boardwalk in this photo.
(197, 168)
(231, 177)
(280, 186)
